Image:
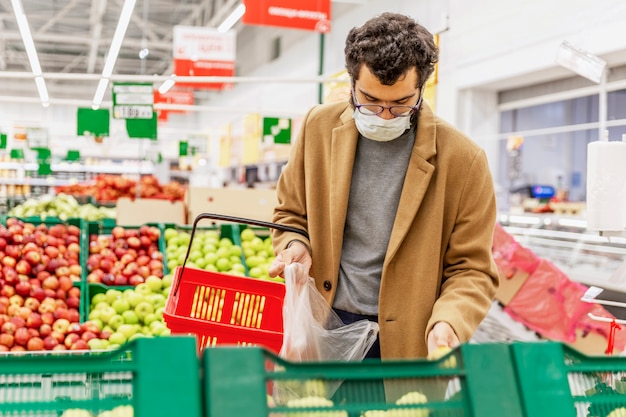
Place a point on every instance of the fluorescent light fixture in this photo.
(233, 18)
(524, 220)
(581, 62)
(118, 37)
(31, 52)
(114, 50)
(167, 84)
(102, 87)
(43, 91)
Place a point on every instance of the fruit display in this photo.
(39, 302)
(119, 411)
(124, 315)
(258, 253)
(126, 256)
(209, 251)
(313, 401)
(414, 397)
(109, 188)
(63, 206)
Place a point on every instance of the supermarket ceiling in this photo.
(73, 37)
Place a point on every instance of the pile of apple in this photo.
(125, 257)
(39, 304)
(258, 253)
(207, 251)
(119, 411)
(123, 316)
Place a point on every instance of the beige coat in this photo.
(438, 265)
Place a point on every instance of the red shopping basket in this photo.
(224, 309)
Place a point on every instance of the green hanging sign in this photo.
(44, 169)
(183, 148)
(3, 141)
(92, 122)
(276, 130)
(72, 155)
(142, 128)
(17, 153)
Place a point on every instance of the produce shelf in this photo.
(470, 381)
(157, 377)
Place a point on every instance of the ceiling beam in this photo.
(60, 15)
(78, 39)
(98, 8)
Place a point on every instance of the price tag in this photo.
(132, 112)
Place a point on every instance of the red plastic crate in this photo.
(223, 309)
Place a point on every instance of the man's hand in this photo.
(296, 252)
(441, 335)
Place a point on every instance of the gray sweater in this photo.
(377, 180)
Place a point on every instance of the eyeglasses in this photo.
(376, 109)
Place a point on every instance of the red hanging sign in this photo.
(296, 14)
(201, 51)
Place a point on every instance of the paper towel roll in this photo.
(606, 186)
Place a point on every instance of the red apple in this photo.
(9, 328)
(23, 288)
(74, 327)
(118, 232)
(7, 340)
(51, 282)
(17, 300)
(32, 303)
(80, 344)
(73, 315)
(18, 321)
(72, 302)
(35, 343)
(47, 318)
(73, 292)
(70, 339)
(61, 325)
(34, 321)
(49, 342)
(23, 267)
(22, 336)
(59, 336)
(45, 330)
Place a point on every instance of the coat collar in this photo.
(419, 173)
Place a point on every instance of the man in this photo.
(399, 206)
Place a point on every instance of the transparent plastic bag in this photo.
(312, 330)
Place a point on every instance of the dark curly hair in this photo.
(389, 45)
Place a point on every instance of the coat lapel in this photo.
(417, 180)
(343, 150)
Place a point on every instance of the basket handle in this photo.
(232, 219)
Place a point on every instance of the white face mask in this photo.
(379, 129)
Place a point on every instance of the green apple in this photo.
(169, 233)
(120, 305)
(133, 297)
(157, 300)
(159, 313)
(223, 264)
(130, 317)
(247, 235)
(143, 289)
(105, 314)
(117, 338)
(112, 294)
(167, 279)
(115, 321)
(98, 298)
(155, 283)
(96, 344)
(143, 309)
(157, 328)
(150, 317)
(127, 330)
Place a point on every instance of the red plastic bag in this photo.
(549, 303)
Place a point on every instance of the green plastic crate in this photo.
(157, 377)
(558, 381)
(470, 381)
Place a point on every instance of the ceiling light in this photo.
(31, 52)
(233, 18)
(114, 50)
(167, 84)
